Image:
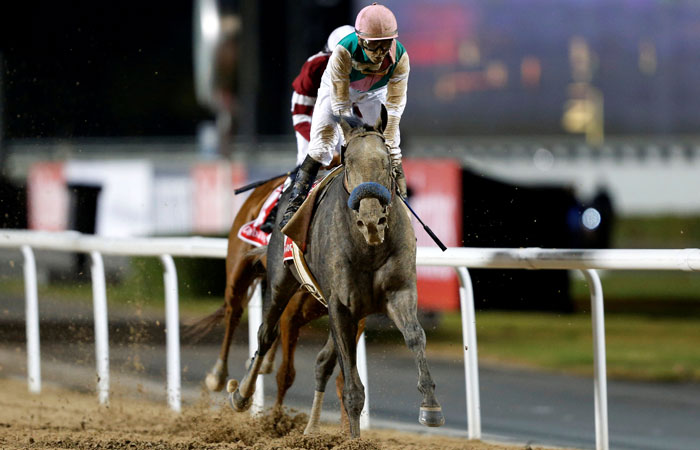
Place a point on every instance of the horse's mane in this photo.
(356, 123)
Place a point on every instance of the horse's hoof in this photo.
(231, 386)
(238, 402)
(431, 416)
(214, 382)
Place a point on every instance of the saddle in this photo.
(297, 230)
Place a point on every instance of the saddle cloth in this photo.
(251, 232)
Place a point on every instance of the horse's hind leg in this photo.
(401, 308)
(268, 363)
(300, 310)
(241, 395)
(236, 297)
(325, 363)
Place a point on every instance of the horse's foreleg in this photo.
(325, 363)
(402, 310)
(339, 381)
(289, 336)
(241, 394)
(344, 330)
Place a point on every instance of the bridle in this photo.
(342, 158)
(352, 138)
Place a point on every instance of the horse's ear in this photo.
(381, 121)
(347, 128)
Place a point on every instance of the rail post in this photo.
(600, 386)
(32, 320)
(172, 332)
(99, 305)
(255, 318)
(362, 371)
(471, 361)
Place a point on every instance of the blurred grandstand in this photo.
(559, 116)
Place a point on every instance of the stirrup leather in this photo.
(307, 279)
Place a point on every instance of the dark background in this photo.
(94, 69)
(85, 68)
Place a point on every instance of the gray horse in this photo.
(362, 250)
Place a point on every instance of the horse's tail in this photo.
(201, 328)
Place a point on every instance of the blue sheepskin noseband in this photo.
(369, 189)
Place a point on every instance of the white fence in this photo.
(459, 258)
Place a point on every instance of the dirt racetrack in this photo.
(60, 419)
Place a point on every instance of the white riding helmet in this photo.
(338, 34)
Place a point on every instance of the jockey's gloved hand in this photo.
(335, 162)
(397, 171)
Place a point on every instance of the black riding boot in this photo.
(305, 177)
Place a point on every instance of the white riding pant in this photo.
(326, 135)
(302, 147)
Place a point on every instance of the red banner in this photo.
(47, 197)
(214, 205)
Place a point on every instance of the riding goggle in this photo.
(382, 46)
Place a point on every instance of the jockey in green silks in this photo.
(367, 68)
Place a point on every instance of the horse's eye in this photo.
(360, 223)
(381, 221)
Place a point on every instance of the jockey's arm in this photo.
(395, 104)
(339, 67)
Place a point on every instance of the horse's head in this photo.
(368, 176)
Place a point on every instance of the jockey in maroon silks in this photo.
(366, 69)
(306, 86)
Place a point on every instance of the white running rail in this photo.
(460, 258)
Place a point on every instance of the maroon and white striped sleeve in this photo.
(302, 110)
(306, 86)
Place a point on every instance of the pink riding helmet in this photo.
(376, 22)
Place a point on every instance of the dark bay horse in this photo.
(362, 250)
